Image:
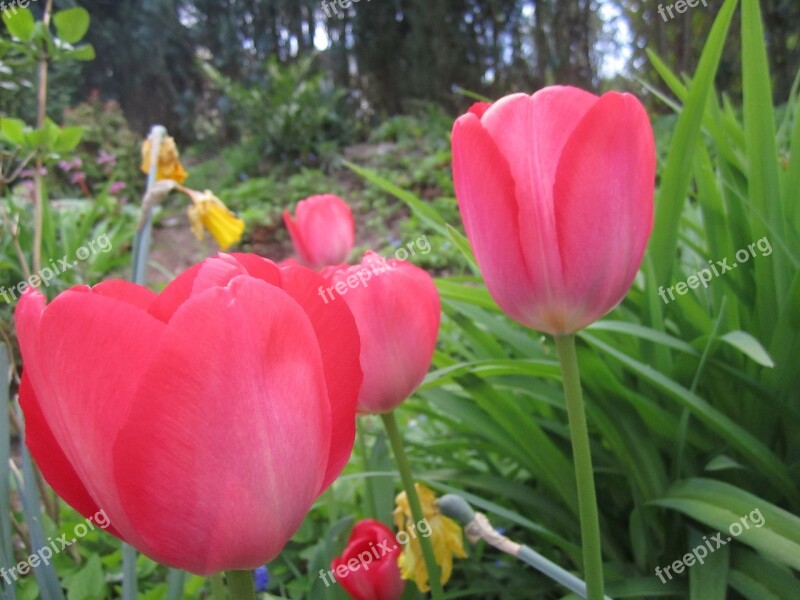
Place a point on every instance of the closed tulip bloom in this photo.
(323, 230)
(556, 193)
(397, 310)
(372, 572)
(205, 420)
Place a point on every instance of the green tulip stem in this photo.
(218, 587)
(241, 585)
(584, 474)
(396, 440)
(129, 582)
(372, 506)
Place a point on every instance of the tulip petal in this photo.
(397, 311)
(377, 574)
(216, 271)
(55, 466)
(126, 291)
(604, 205)
(297, 237)
(175, 294)
(237, 385)
(488, 206)
(260, 268)
(339, 342)
(530, 132)
(479, 108)
(212, 272)
(82, 330)
(326, 227)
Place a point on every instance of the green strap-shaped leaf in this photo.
(677, 173)
(749, 346)
(737, 436)
(424, 211)
(6, 533)
(762, 157)
(738, 515)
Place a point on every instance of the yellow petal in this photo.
(210, 213)
(196, 222)
(169, 164)
(446, 539)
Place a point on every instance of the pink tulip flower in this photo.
(204, 420)
(556, 193)
(323, 231)
(397, 310)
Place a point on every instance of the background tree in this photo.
(390, 54)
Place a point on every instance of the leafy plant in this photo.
(291, 114)
(693, 405)
(109, 149)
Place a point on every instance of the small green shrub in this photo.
(292, 114)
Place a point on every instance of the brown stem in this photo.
(14, 175)
(13, 231)
(15, 422)
(49, 498)
(10, 351)
(40, 122)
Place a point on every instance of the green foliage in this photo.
(50, 138)
(261, 200)
(71, 24)
(33, 44)
(693, 406)
(695, 411)
(293, 114)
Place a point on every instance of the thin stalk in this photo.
(40, 122)
(141, 241)
(396, 440)
(129, 582)
(683, 427)
(218, 591)
(23, 262)
(176, 580)
(584, 474)
(14, 175)
(241, 585)
(369, 495)
(49, 498)
(477, 526)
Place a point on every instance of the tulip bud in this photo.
(397, 310)
(323, 231)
